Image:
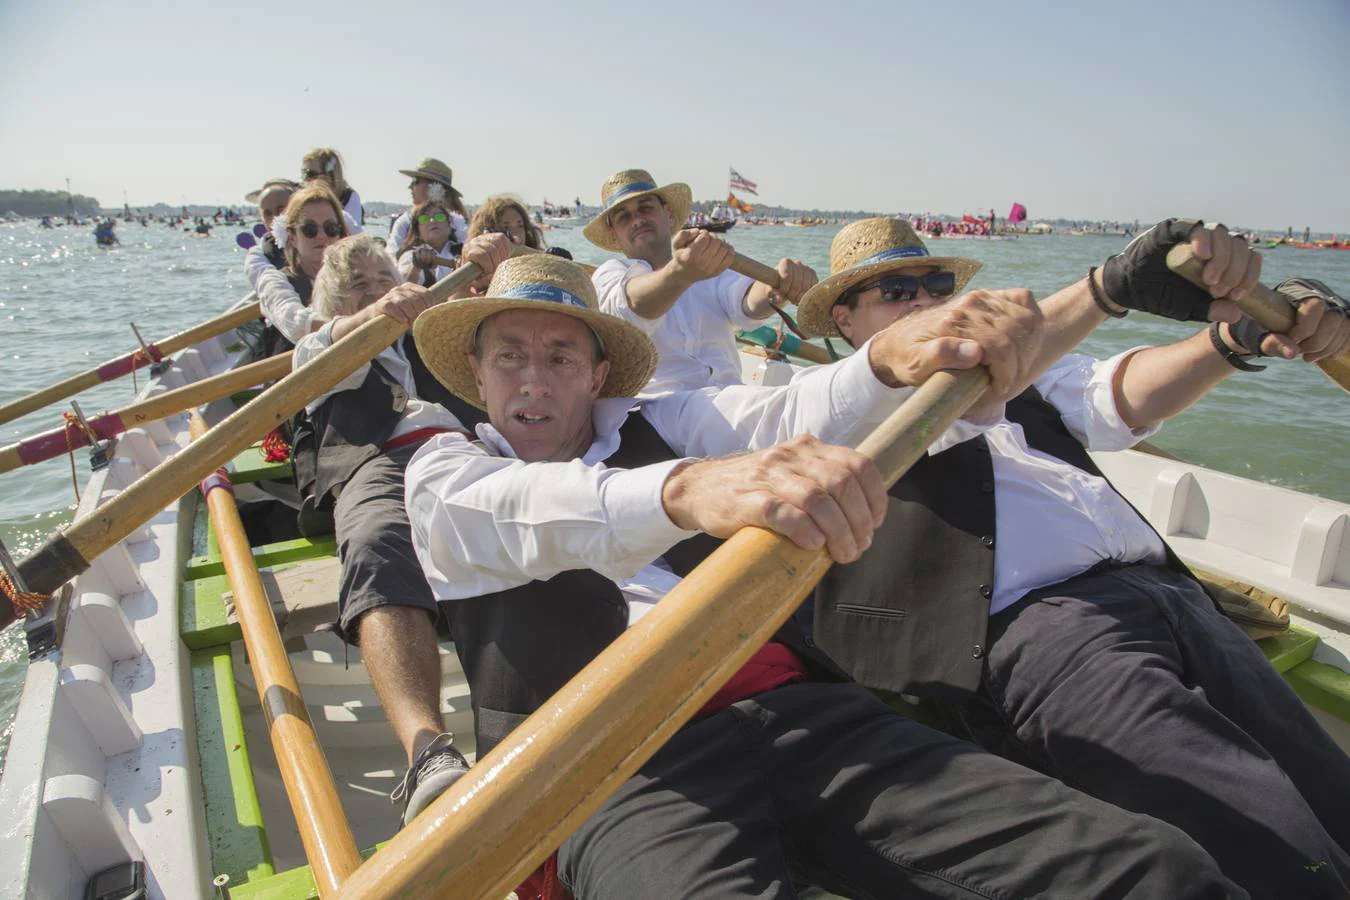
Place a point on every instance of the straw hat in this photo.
(445, 333)
(252, 196)
(432, 170)
(628, 185)
(866, 250)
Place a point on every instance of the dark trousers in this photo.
(822, 783)
(1130, 686)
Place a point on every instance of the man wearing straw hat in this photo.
(1012, 580)
(679, 292)
(431, 180)
(572, 515)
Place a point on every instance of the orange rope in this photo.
(139, 358)
(73, 422)
(22, 601)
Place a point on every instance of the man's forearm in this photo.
(1159, 382)
(652, 294)
(1070, 316)
(757, 300)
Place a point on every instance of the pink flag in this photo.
(1018, 213)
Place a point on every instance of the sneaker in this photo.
(438, 766)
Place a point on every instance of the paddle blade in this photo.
(259, 230)
(245, 240)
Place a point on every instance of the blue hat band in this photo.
(888, 255)
(630, 188)
(547, 292)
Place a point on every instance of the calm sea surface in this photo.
(65, 306)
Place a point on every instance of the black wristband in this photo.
(1098, 299)
(1230, 356)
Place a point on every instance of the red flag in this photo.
(971, 220)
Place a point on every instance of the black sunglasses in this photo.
(330, 229)
(309, 174)
(904, 288)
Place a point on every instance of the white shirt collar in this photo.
(607, 417)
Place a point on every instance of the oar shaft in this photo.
(128, 362)
(324, 830)
(57, 441)
(756, 270)
(67, 553)
(517, 804)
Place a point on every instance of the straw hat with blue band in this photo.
(445, 333)
(864, 251)
(628, 185)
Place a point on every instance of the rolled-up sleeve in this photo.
(731, 290)
(281, 306)
(483, 523)
(1083, 390)
(611, 288)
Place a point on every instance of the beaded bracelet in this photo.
(1097, 298)
(1230, 356)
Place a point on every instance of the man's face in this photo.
(372, 278)
(873, 312)
(538, 378)
(642, 226)
(272, 202)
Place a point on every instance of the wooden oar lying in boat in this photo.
(129, 362)
(53, 443)
(516, 805)
(1273, 310)
(68, 552)
(324, 830)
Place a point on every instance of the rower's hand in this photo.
(1321, 329)
(794, 279)
(424, 258)
(697, 254)
(1001, 330)
(487, 251)
(1138, 277)
(403, 304)
(815, 494)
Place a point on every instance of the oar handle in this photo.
(755, 269)
(1270, 308)
(66, 553)
(488, 831)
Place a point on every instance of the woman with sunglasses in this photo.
(313, 219)
(432, 180)
(324, 165)
(431, 237)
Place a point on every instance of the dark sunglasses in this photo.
(309, 175)
(904, 288)
(330, 229)
(428, 218)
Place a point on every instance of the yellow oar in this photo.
(1273, 310)
(128, 362)
(517, 804)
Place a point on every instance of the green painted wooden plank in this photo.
(1290, 649)
(1323, 686)
(265, 556)
(234, 822)
(252, 465)
(201, 614)
(293, 884)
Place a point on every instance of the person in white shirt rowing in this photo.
(350, 451)
(679, 291)
(573, 514)
(431, 180)
(1014, 585)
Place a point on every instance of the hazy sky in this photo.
(1238, 111)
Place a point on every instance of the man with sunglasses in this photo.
(1012, 584)
(680, 292)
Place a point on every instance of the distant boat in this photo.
(716, 226)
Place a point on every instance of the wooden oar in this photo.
(125, 364)
(1274, 311)
(57, 441)
(518, 803)
(67, 553)
(324, 830)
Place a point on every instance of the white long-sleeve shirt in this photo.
(281, 305)
(485, 521)
(417, 414)
(696, 338)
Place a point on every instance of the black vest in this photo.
(274, 341)
(912, 614)
(352, 427)
(519, 646)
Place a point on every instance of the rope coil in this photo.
(23, 601)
